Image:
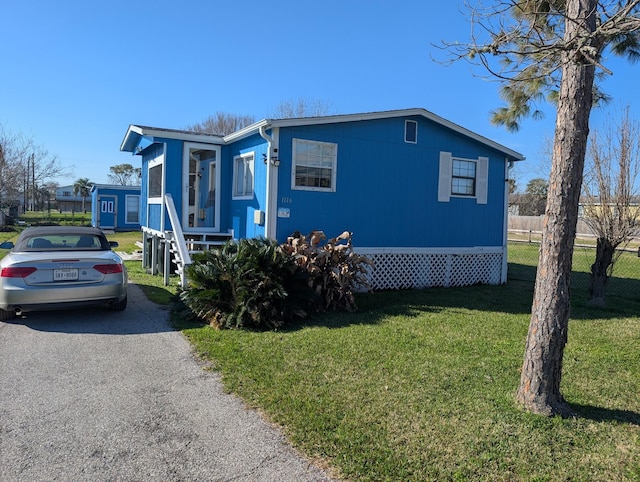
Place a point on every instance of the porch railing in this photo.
(183, 257)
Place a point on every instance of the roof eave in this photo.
(302, 121)
(247, 131)
(135, 134)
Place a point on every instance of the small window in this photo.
(463, 179)
(243, 176)
(133, 210)
(314, 165)
(411, 131)
(155, 181)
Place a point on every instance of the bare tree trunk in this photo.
(600, 271)
(539, 389)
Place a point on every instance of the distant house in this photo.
(115, 207)
(67, 201)
(425, 198)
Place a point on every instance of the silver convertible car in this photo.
(59, 267)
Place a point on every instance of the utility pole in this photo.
(25, 186)
(33, 183)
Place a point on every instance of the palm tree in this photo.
(82, 187)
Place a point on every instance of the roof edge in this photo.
(333, 119)
(136, 132)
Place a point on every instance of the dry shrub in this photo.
(333, 270)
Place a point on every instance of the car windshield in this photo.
(61, 242)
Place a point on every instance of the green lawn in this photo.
(419, 385)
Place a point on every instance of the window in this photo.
(463, 180)
(243, 176)
(314, 165)
(155, 181)
(411, 131)
(107, 207)
(133, 209)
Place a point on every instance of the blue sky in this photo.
(75, 73)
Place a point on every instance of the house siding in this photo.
(242, 211)
(380, 177)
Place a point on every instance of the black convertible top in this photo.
(46, 234)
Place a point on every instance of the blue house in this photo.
(115, 207)
(425, 198)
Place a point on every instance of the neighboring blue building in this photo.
(115, 207)
(425, 198)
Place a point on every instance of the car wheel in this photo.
(119, 305)
(6, 315)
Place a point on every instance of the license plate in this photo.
(67, 274)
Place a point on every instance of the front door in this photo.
(107, 212)
(201, 174)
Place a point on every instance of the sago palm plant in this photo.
(242, 284)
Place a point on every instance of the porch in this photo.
(169, 251)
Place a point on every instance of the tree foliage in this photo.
(534, 199)
(221, 124)
(82, 187)
(224, 123)
(527, 37)
(26, 168)
(125, 175)
(301, 107)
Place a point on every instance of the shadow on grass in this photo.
(374, 308)
(514, 297)
(158, 294)
(623, 294)
(599, 414)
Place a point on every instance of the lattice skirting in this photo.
(406, 270)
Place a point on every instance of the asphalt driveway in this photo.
(95, 395)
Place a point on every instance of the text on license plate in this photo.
(66, 274)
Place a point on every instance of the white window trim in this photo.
(126, 204)
(334, 168)
(251, 165)
(154, 163)
(446, 175)
(406, 124)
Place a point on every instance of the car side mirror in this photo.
(6, 245)
(113, 244)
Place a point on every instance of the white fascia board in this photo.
(116, 187)
(182, 135)
(247, 131)
(153, 132)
